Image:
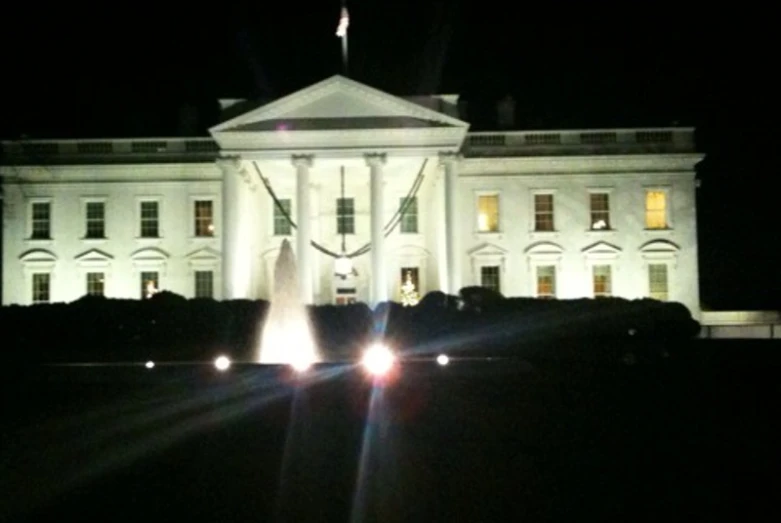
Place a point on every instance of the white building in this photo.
(551, 213)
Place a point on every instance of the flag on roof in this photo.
(344, 21)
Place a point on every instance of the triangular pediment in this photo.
(93, 255)
(487, 249)
(601, 248)
(337, 112)
(335, 103)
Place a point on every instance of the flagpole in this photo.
(345, 67)
(341, 32)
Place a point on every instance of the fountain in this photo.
(287, 335)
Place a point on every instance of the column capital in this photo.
(375, 159)
(229, 162)
(302, 160)
(450, 157)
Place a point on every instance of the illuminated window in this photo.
(602, 281)
(656, 209)
(150, 283)
(345, 296)
(345, 215)
(96, 219)
(600, 211)
(41, 220)
(41, 287)
(488, 213)
(204, 218)
(489, 277)
(657, 281)
(546, 281)
(150, 219)
(543, 212)
(409, 219)
(95, 283)
(204, 284)
(282, 225)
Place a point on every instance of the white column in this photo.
(453, 247)
(304, 252)
(379, 279)
(236, 234)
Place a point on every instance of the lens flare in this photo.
(222, 363)
(378, 359)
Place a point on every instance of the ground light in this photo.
(150, 364)
(222, 363)
(378, 359)
(442, 359)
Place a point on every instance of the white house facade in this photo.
(399, 186)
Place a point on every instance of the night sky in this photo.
(129, 69)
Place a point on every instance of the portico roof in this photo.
(340, 115)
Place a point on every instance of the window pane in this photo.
(204, 284)
(489, 278)
(657, 281)
(282, 225)
(655, 210)
(95, 283)
(546, 281)
(602, 281)
(488, 213)
(41, 287)
(41, 220)
(204, 218)
(409, 219)
(600, 211)
(96, 220)
(149, 220)
(543, 212)
(150, 283)
(345, 216)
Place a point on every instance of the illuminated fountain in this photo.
(287, 335)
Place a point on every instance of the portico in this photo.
(300, 144)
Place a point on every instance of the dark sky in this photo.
(126, 69)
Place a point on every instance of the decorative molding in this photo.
(375, 159)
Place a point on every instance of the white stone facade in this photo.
(516, 210)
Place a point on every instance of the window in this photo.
(488, 213)
(489, 277)
(600, 211)
(602, 281)
(95, 283)
(656, 209)
(409, 285)
(345, 296)
(41, 220)
(409, 218)
(204, 284)
(96, 220)
(150, 219)
(546, 281)
(543, 212)
(150, 283)
(657, 281)
(204, 218)
(282, 225)
(345, 215)
(41, 287)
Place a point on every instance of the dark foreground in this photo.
(690, 436)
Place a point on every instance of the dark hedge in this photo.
(168, 327)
